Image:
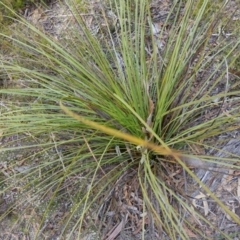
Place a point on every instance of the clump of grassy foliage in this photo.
(88, 110)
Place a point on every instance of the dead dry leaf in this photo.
(227, 180)
(189, 232)
(112, 234)
(205, 203)
(238, 188)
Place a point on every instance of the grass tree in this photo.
(95, 121)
